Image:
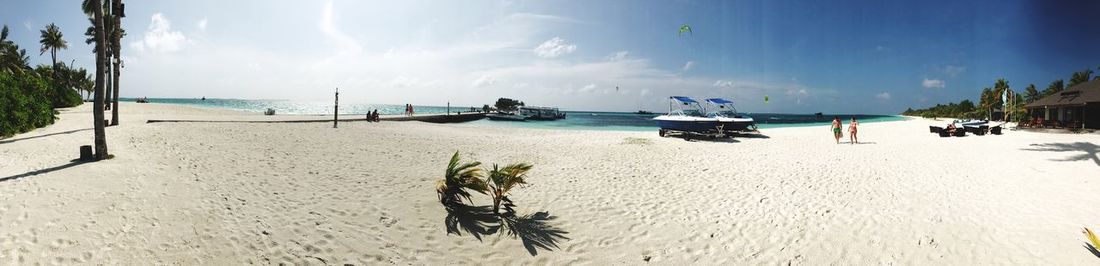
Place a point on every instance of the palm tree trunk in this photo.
(107, 72)
(114, 108)
(116, 33)
(100, 73)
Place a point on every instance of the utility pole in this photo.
(336, 108)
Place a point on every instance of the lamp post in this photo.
(336, 108)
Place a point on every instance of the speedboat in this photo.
(685, 115)
(728, 117)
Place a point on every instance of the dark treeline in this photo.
(990, 99)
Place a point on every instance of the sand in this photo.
(228, 193)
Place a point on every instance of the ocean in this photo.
(585, 120)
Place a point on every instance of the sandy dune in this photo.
(226, 194)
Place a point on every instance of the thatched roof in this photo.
(1088, 92)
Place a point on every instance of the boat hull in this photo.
(504, 117)
(687, 124)
(737, 124)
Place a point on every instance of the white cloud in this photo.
(160, 37)
(554, 47)
(798, 94)
(953, 71)
(345, 45)
(29, 25)
(933, 83)
(723, 83)
(484, 80)
(588, 88)
(689, 65)
(620, 55)
(644, 92)
(202, 24)
(883, 96)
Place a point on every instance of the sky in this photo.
(845, 56)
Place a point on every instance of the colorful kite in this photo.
(684, 28)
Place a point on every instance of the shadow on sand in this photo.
(1092, 249)
(6, 141)
(1088, 149)
(534, 230)
(43, 171)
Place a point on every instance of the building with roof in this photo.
(1077, 104)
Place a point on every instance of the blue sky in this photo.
(876, 57)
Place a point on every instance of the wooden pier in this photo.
(431, 118)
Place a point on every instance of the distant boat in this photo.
(506, 117)
(643, 112)
(541, 113)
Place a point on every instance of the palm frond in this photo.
(1092, 238)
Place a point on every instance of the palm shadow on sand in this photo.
(534, 230)
(1088, 149)
(1092, 249)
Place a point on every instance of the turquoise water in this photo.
(636, 122)
(574, 119)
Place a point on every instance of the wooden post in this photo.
(336, 109)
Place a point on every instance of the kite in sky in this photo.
(765, 99)
(684, 28)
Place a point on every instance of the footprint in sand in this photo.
(387, 221)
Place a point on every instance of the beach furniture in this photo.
(960, 132)
(995, 130)
(943, 132)
(934, 129)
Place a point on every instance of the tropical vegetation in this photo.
(460, 178)
(507, 105)
(503, 180)
(28, 95)
(991, 98)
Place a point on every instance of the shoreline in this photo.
(537, 124)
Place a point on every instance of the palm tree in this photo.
(1054, 87)
(52, 40)
(12, 59)
(502, 180)
(100, 74)
(116, 40)
(458, 178)
(986, 102)
(1032, 94)
(1079, 77)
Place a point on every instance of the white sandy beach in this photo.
(305, 193)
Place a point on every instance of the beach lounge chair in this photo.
(943, 132)
(982, 130)
(960, 132)
(934, 129)
(995, 130)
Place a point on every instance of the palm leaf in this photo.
(1092, 238)
(458, 178)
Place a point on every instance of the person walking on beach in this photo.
(408, 110)
(852, 131)
(836, 129)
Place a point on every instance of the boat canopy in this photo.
(684, 99)
(718, 101)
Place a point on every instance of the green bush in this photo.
(24, 104)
